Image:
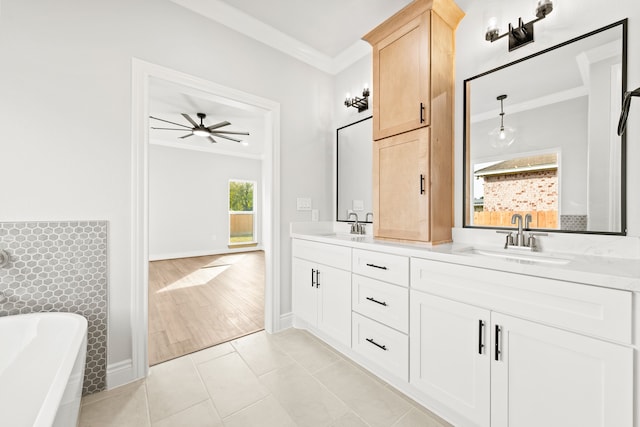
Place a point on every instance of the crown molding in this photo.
(239, 21)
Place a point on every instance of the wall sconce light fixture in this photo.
(523, 33)
(362, 104)
(502, 136)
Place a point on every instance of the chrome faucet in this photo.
(520, 235)
(356, 227)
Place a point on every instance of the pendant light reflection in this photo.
(502, 136)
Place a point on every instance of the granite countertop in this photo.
(592, 267)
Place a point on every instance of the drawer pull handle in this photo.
(480, 336)
(497, 343)
(383, 347)
(377, 266)
(376, 301)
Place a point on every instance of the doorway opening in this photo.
(143, 75)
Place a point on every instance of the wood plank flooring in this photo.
(195, 303)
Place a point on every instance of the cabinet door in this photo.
(305, 296)
(401, 186)
(334, 303)
(450, 354)
(401, 79)
(549, 377)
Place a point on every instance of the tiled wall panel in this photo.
(60, 266)
(573, 222)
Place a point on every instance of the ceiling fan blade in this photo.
(167, 121)
(218, 125)
(229, 132)
(181, 130)
(186, 136)
(212, 140)
(226, 137)
(190, 120)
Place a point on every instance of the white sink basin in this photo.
(518, 256)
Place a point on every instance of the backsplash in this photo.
(60, 266)
(573, 222)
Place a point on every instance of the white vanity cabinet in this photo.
(450, 354)
(321, 287)
(504, 349)
(380, 303)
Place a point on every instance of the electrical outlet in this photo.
(303, 203)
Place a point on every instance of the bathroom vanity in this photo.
(480, 335)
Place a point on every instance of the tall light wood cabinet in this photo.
(400, 186)
(413, 90)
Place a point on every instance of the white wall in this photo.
(569, 19)
(65, 117)
(189, 200)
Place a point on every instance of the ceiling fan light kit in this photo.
(199, 129)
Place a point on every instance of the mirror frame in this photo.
(338, 169)
(466, 152)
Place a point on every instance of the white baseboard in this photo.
(189, 254)
(119, 373)
(286, 321)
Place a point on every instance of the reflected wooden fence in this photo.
(240, 224)
(539, 219)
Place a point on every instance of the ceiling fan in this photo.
(202, 130)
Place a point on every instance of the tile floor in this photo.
(287, 379)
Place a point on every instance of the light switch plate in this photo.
(304, 203)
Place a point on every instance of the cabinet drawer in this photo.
(386, 303)
(382, 345)
(386, 267)
(601, 312)
(335, 256)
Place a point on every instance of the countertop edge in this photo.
(612, 273)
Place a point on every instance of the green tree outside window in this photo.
(240, 196)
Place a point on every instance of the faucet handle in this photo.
(532, 241)
(509, 240)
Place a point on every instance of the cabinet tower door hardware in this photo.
(313, 279)
(480, 336)
(376, 301)
(421, 183)
(383, 347)
(317, 278)
(421, 112)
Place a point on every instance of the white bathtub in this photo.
(42, 357)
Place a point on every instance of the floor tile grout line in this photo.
(213, 403)
(146, 401)
(339, 357)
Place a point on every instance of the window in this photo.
(242, 202)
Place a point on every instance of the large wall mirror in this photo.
(540, 138)
(354, 163)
